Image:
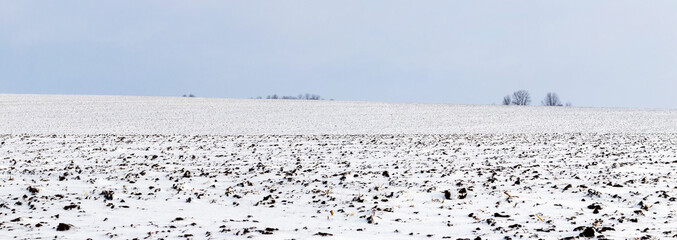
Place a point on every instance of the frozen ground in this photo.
(134, 167)
(51, 114)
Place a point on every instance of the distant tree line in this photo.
(306, 96)
(522, 98)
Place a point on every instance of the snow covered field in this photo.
(51, 114)
(146, 167)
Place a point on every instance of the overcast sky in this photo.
(592, 53)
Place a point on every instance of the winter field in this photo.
(109, 167)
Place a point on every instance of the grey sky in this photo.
(593, 53)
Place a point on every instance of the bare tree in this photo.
(506, 100)
(551, 99)
(521, 97)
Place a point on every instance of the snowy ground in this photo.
(53, 114)
(127, 176)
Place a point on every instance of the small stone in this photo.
(447, 195)
(63, 227)
(588, 232)
(33, 190)
(462, 193)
